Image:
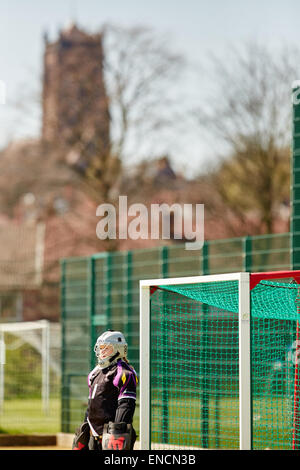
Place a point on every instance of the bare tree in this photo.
(248, 116)
(142, 74)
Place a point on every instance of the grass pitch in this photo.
(27, 417)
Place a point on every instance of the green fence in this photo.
(102, 292)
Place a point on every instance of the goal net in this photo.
(219, 362)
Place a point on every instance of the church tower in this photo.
(75, 103)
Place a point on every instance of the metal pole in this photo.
(145, 368)
(45, 366)
(165, 379)
(203, 361)
(2, 363)
(245, 363)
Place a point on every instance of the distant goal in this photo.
(219, 362)
(25, 362)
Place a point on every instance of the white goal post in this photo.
(22, 330)
(243, 280)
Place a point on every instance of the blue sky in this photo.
(195, 27)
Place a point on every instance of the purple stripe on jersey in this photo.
(124, 386)
(132, 375)
(122, 394)
(117, 377)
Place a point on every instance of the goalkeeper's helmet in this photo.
(110, 347)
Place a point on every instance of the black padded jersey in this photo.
(112, 393)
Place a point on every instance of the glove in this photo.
(118, 436)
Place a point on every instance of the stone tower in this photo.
(75, 103)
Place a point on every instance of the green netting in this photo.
(194, 372)
(268, 299)
(273, 380)
(195, 365)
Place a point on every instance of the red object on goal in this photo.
(255, 278)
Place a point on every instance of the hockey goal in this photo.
(219, 362)
(24, 361)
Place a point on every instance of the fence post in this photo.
(164, 261)
(108, 278)
(65, 389)
(205, 258)
(128, 299)
(247, 253)
(92, 309)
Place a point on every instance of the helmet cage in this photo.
(118, 350)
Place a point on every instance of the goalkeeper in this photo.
(112, 396)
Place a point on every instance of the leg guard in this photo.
(95, 443)
(82, 437)
(118, 436)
